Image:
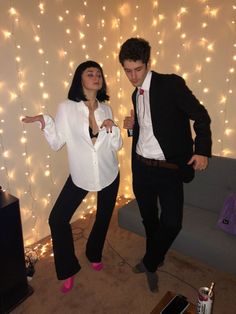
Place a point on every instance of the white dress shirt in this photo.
(147, 145)
(92, 167)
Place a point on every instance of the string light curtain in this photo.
(41, 44)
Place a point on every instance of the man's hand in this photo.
(199, 162)
(38, 118)
(129, 121)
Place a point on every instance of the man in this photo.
(164, 155)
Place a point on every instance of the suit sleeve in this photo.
(196, 112)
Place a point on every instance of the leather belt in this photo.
(157, 163)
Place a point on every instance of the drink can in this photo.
(205, 300)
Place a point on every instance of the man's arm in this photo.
(201, 125)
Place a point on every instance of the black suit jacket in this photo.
(172, 106)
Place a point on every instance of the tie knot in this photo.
(141, 91)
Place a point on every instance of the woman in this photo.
(84, 123)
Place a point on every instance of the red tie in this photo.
(141, 91)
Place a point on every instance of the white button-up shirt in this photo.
(92, 167)
(147, 145)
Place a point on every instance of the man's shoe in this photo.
(140, 268)
(152, 277)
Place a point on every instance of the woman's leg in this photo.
(106, 200)
(69, 199)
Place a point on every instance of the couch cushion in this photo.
(210, 188)
(202, 239)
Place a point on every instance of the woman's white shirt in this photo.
(92, 167)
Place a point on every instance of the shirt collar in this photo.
(99, 104)
(147, 81)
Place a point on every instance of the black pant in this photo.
(70, 198)
(151, 184)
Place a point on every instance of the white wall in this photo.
(44, 43)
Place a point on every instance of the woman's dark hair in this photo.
(135, 49)
(76, 92)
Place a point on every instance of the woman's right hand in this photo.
(38, 118)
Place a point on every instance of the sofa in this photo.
(200, 236)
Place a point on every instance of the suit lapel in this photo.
(155, 88)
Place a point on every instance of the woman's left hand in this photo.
(108, 124)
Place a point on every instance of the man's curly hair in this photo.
(135, 49)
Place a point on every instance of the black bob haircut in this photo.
(76, 92)
(135, 49)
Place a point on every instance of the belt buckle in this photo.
(155, 163)
(149, 162)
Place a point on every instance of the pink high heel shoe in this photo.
(97, 266)
(67, 285)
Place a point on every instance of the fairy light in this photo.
(155, 4)
(62, 53)
(41, 7)
(45, 95)
(6, 34)
(115, 23)
(66, 84)
(81, 35)
(154, 22)
(161, 17)
(23, 140)
(125, 9)
(177, 67)
(178, 25)
(37, 38)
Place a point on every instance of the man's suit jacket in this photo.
(172, 106)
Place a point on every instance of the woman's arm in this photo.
(52, 129)
(38, 118)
